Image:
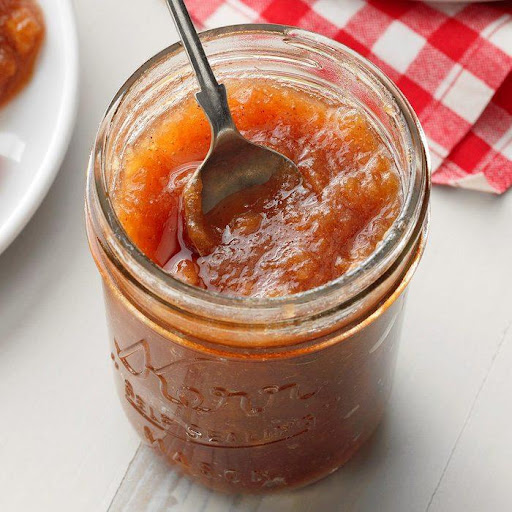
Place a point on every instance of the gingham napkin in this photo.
(452, 61)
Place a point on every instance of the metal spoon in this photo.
(232, 164)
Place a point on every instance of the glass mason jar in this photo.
(247, 394)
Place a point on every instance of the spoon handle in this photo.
(212, 95)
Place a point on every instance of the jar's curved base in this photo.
(308, 474)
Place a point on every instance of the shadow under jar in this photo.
(255, 394)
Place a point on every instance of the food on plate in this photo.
(21, 37)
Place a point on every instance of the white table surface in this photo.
(445, 443)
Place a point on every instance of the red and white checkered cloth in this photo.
(452, 61)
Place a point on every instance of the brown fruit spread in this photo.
(245, 420)
(21, 37)
(300, 236)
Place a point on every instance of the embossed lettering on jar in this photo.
(251, 394)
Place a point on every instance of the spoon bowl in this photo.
(232, 165)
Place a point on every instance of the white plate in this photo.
(40, 118)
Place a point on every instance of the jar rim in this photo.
(347, 288)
